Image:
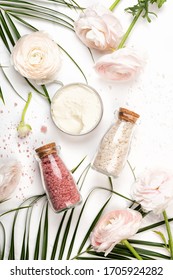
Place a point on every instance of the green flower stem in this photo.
(112, 7)
(26, 107)
(121, 44)
(170, 239)
(131, 249)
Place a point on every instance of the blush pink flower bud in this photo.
(37, 57)
(154, 190)
(98, 28)
(10, 173)
(122, 65)
(114, 227)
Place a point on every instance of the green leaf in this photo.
(26, 13)
(10, 83)
(109, 256)
(55, 245)
(141, 251)
(4, 39)
(65, 235)
(46, 93)
(14, 210)
(24, 22)
(6, 28)
(76, 167)
(146, 243)
(11, 255)
(1, 96)
(162, 238)
(2, 251)
(15, 31)
(41, 10)
(153, 225)
(160, 3)
(38, 238)
(69, 5)
(45, 235)
(73, 62)
(97, 217)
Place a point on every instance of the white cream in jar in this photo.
(76, 109)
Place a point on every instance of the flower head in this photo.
(121, 65)
(154, 190)
(98, 28)
(113, 228)
(24, 129)
(37, 57)
(10, 173)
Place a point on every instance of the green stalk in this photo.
(26, 107)
(131, 249)
(121, 44)
(170, 239)
(112, 7)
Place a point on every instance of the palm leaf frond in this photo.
(2, 249)
(45, 235)
(1, 96)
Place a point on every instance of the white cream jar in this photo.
(76, 109)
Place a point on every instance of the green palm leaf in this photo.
(45, 234)
(1, 96)
(2, 250)
(6, 28)
(55, 245)
(25, 23)
(93, 224)
(13, 27)
(4, 39)
(33, 199)
(154, 225)
(38, 237)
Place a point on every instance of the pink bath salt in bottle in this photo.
(58, 182)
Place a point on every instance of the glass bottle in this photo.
(57, 180)
(114, 147)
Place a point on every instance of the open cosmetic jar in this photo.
(76, 109)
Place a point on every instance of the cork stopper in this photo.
(127, 115)
(46, 150)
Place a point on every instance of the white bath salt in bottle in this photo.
(114, 147)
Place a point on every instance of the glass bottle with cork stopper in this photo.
(57, 180)
(114, 147)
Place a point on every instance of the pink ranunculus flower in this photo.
(122, 65)
(154, 190)
(98, 28)
(114, 227)
(37, 57)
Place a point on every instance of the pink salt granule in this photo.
(43, 129)
(59, 183)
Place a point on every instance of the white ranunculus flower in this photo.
(37, 57)
(10, 173)
(154, 190)
(98, 28)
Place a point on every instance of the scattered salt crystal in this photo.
(43, 129)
